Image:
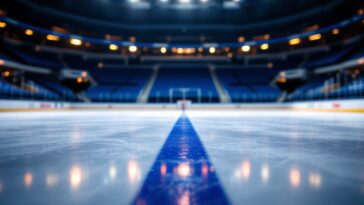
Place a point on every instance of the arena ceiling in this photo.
(181, 20)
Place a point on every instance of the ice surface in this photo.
(78, 157)
(286, 157)
(103, 157)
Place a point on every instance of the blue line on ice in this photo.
(182, 173)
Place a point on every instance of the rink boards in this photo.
(356, 105)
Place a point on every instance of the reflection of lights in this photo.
(204, 169)
(265, 173)
(28, 179)
(51, 180)
(184, 170)
(1, 186)
(76, 176)
(237, 174)
(315, 180)
(184, 199)
(183, 151)
(245, 169)
(163, 169)
(133, 172)
(75, 135)
(112, 172)
(295, 177)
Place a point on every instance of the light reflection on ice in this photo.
(28, 179)
(76, 176)
(295, 177)
(134, 172)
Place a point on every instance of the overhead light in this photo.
(133, 49)
(51, 37)
(2, 24)
(294, 41)
(212, 50)
(79, 79)
(164, 1)
(241, 39)
(29, 32)
(315, 37)
(204, 1)
(184, 1)
(180, 50)
(245, 48)
(335, 31)
(133, 1)
(113, 47)
(163, 50)
(264, 46)
(75, 41)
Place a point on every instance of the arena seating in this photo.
(329, 88)
(316, 60)
(118, 84)
(249, 85)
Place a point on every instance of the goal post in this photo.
(186, 93)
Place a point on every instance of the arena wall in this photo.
(356, 105)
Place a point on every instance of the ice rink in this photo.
(201, 157)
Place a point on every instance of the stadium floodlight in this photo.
(212, 50)
(113, 47)
(2, 24)
(264, 46)
(204, 1)
(163, 50)
(294, 41)
(315, 37)
(75, 42)
(51, 37)
(335, 31)
(185, 1)
(133, 1)
(245, 48)
(133, 49)
(29, 32)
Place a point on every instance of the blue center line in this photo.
(182, 173)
